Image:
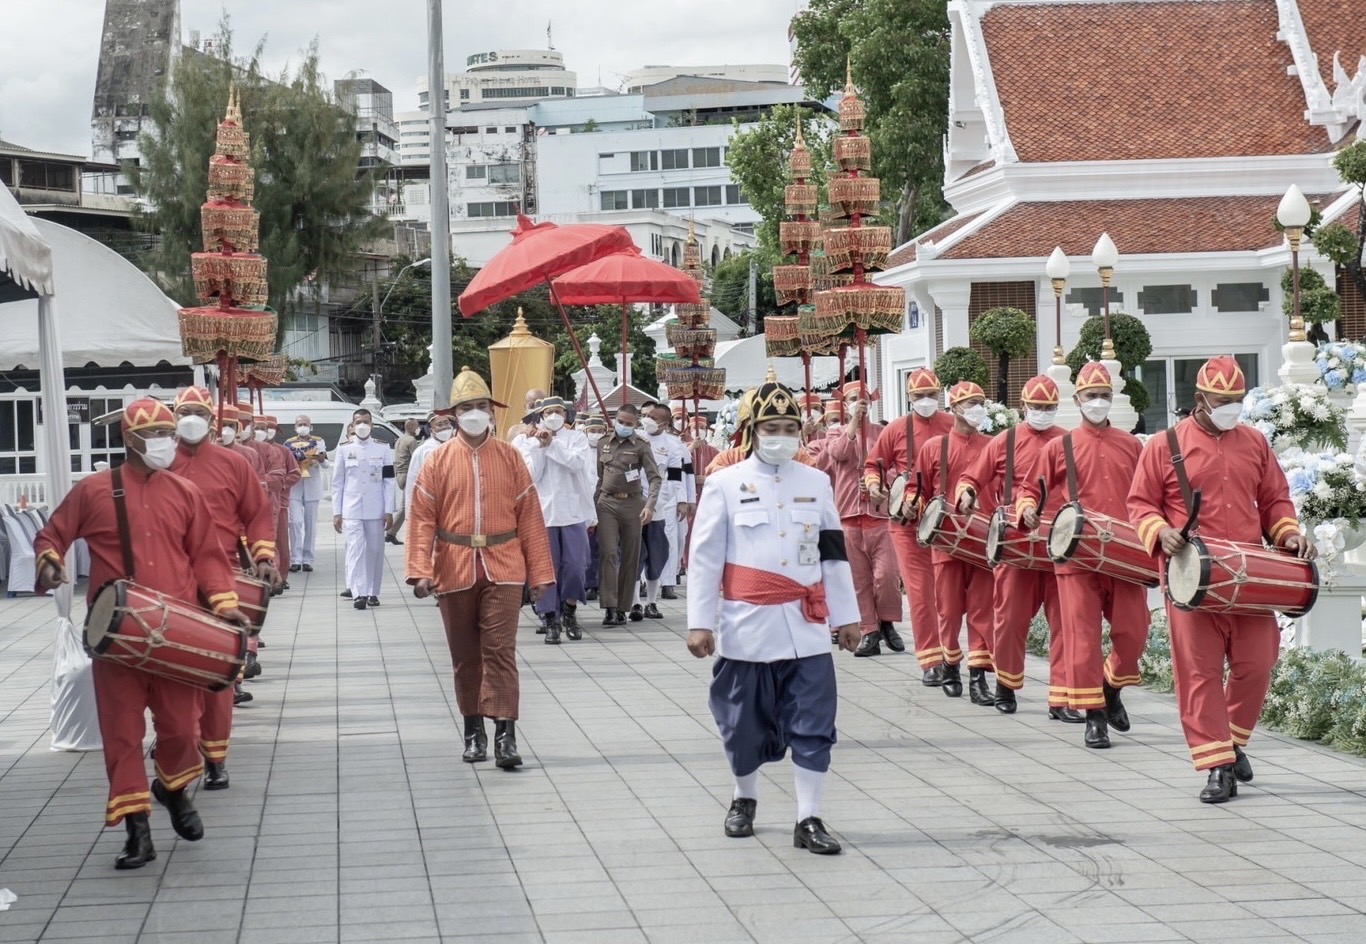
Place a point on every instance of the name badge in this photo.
(633, 475)
(808, 552)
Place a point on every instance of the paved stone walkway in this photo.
(351, 817)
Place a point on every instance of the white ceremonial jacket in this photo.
(363, 486)
(420, 455)
(564, 474)
(309, 487)
(675, 468)
(769, 518)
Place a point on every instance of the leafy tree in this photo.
(313, 205)
(758, 163)
(1319, 303)
(899, 51)
(730, 288)
(962, 363)
(1133, 346)
(1336, 241)
(1007, 333)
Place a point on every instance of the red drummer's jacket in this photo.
(237, 503)
(964, 451)
(894, 453)
(987, 476)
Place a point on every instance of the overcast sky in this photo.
(49, 49)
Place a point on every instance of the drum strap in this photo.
(910, 443)
(1070, 458)
(1010, 468)
(121, 513)
(1179, 464)
(944, 468)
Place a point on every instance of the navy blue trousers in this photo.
(763, 708)
(654, 550)
(569, 552)
(590, 577)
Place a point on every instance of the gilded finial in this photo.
(849, 75)
(801, 139)
(771, 376)
(692, 231)
(234, 113)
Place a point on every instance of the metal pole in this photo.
(378, 341)
(754, 293)
(441, 215)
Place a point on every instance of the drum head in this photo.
(1062, 537)
(930, 520)
(896, 496)
(1188, 574)
(996, 535)
(102, 616)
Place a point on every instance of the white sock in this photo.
(747, 787)
(652, 591)
(810, 788)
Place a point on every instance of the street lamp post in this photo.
(442, 370)
(1297, 355)
(378, 313)
(1105, 257)
(1057, 270)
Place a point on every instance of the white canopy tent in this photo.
(746, 363)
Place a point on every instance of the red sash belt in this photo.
(762, 588)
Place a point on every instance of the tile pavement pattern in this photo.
(351, 817)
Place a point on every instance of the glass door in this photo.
(1171, 381)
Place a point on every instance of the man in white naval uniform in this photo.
(311, 453)
(767, 580)
(363, 494)
(440, 427)
(672, 511)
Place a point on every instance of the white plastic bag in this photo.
(75, 721)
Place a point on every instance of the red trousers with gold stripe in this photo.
(282, 538)
(1085, 599)
(1216, 714)
(917, 574)
(964, 590)
(1019, 594)
(122, 697)
(215, 724)
(872, 563)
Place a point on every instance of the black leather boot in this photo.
(215, 775)
(668, 593)
(953, 680)
(1242, 767)
(810, 835)
(1067, 715)
(505, 745)
(1005, 699)
(652, 611)
(609, 617)
(869, 645)
(552, 629)
(933, 677)
(1116, 713)
(591, 593)
(740, 818)
(1221, 787)
(891, 636)
(476, 740)
(977, 688)
(253, 668)
(569, 617)
(637, 613)
(137, 851)
(1097, 729)
(184, 818)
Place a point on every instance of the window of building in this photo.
(491, 209)
(422, 99)
(645, 200)
(18, 432)
(528, 92)
(505, 174)
(1239, 296)
(464, 130)
(106, 441)
(6, 172)
(706, 157)
(733, 195)
(1167, 299)
(707, 196)
(557, 90)
(464, 95)
(44, 175)
(1092, 299)
(676, 159)
(676, 196)
(490, 131)
(476, 172)
(656, 245)
(644, 160)
(509, 130)
(612, 199)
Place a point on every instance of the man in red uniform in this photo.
(864, 519)
(961, 589)
(896, 452)
(291, 479)
(1002, 471)
(1102, 459)
(173, 550)
(240, 511)
(1243, 497)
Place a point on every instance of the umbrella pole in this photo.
(861, 338)
(806, 371)
(578, 349)
(844, 348)
(222, 375)
(625, 344)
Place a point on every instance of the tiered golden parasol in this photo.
(691, 373)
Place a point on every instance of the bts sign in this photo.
(481, 58)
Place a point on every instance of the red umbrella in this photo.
(539, 252)
(624, 278)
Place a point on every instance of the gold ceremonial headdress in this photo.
(469, 386)
(194, 396)
(964, 390)
(1094, 376)
(1040, 391)
(1222, 377)
(145, 414)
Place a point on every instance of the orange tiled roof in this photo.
(1190, 224)
(1335, 26)
(1133, 81)
(907, 253)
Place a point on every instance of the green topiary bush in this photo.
(962, 363)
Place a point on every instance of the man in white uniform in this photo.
(311, 453)
(674, 461)
(768, 579)
(440, 427)
(564, 470)
(363, 494)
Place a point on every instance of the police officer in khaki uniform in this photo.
(623, 460)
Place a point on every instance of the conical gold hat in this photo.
(469, 386)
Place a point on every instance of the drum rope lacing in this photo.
(141, 656)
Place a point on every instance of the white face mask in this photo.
(554, 422)
(362, 430)
(160, 453)
(442, 435)
(1096, 410)
(192, 428)
(776, 450)
(1227, 416)
(245, 432)
(303, 430)
(260, 435)
(474, 423)
(925, 406)
(650, 426)
(1041, 419)
(974, 416)
(594, 438)
(229, 435)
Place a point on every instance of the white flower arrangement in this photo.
(999, 417)
(1296, 415)
(1329, 493)
(1342, 365)
(724, 428)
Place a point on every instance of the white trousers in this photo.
(677, 532)
(364, 555)
(303, 528)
